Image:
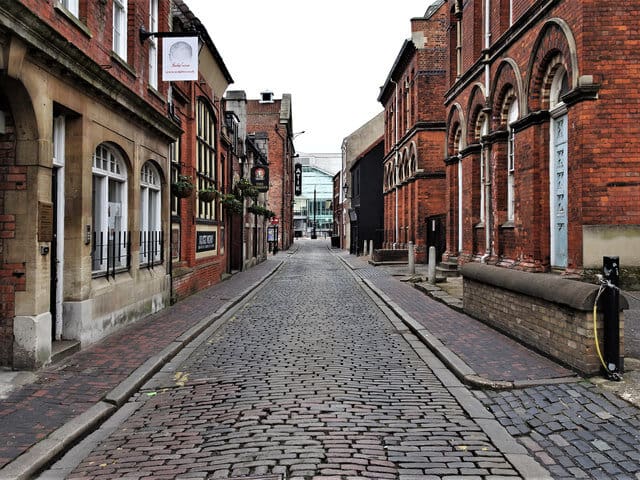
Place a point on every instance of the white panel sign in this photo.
(179, 58)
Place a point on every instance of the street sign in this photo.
(275, 221)
(297, 174)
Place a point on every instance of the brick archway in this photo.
(555, 44)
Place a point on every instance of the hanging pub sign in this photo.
(297, 179)
(260, 178)
(180, 59)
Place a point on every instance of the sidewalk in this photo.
(66, 400)
(478, 355)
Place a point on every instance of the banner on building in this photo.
(297, 179)
(260, 178)
(180, 59)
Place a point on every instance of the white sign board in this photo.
(179, 58)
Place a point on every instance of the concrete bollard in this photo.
(412, 258)
(365, 252)
(371, 248)
(431, 272)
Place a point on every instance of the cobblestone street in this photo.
(308, 380)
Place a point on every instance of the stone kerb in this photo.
(551, 314)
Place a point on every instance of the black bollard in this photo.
(611, 310)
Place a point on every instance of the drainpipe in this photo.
(395, 160)
(486, 150)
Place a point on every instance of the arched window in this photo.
(151, 239)
(110, 250)
(483, 129)
(512, 116)
(558, 164)
(206, 158)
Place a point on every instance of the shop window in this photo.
(111, 242)
(151, 235)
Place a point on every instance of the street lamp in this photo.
(315, 207)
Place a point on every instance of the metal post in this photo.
(412, 259)
(431, 272)
(611, 302)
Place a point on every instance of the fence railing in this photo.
(110, 253)
(151, 248)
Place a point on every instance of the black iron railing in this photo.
(110, 253)
(151, 248)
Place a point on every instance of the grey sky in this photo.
(331, 56)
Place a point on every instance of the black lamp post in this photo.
(315, 207)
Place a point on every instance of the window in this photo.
(153, 44)
(483, 121)
(120, 28)
(71, 6)
(110, 249)
(511, 164)
(206, 158)
(174, 156)
(151, 239)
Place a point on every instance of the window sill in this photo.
(123, 63)
(153, 91)
(73, 19)
(508, 224)
(479, 225)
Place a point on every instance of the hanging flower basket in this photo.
(246, 189)
(183, 187)
(231, 204)
(208, 195)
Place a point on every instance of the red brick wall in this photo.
(12, 276)
(604, 145)
(97, 17)
(265, 117)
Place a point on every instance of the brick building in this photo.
(84, 148)
(543, 157)
(248, 229)
(414, 124)
(274, 117)
(204, 154)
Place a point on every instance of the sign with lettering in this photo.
(179, 59)
(297, 179)
(205, 241)
(45, 222)
(260, 178)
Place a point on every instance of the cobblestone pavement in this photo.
(308, 380)
(65, 390)
(574, 430)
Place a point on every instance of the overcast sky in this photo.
(331, 56)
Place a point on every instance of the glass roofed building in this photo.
(313, 209)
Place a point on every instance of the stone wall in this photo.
(549, 313)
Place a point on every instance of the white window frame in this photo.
(206, 158)
(120, 28)
(109, 185)
(150, 218)
(153, 44)
(72, 6)
(512, 116)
